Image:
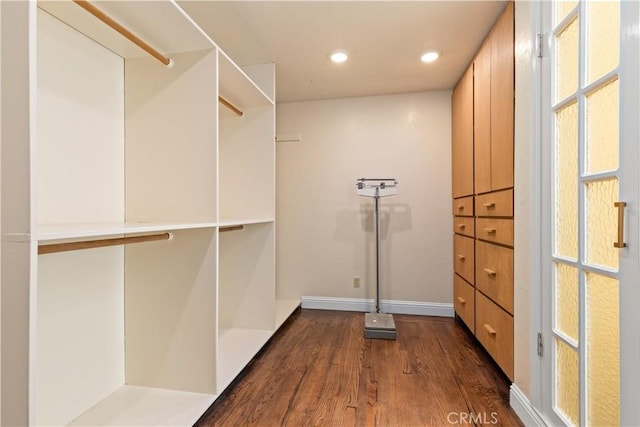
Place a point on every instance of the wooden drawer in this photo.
(495, 230)
(494, 330)
(463, 257)
(494, 273)
(464, 225)
(463, 206)
(499, 203)
(464, 301)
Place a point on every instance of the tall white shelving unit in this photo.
(102, 141)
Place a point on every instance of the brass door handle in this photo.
(620, 243)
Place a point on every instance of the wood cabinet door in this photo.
(482, 118)
(494, 329)
(502, 91)
(462, 136)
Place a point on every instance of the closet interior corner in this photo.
(153, 210)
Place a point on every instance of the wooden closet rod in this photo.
(232, 228)
(90, 244)
(230, 106)
(123, 31)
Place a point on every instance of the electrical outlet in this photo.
(356, 282)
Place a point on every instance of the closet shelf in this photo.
(237, 88)
(251, 221)
(149, 21)
(51, 232)
(146, 406)
(124, 32)
(284, 309)
(236, 348)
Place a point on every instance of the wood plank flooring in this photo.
(318, 370)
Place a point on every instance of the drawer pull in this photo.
(460, 207)
(489, 329)
(462, 300)
(461, 257)
(490, 272)
(490, 230)
(489, 205)
(461, 226)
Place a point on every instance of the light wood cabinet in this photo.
(462, 136)
(494, 107)
(495, 230)
(463, 257)
(502, 100)
(118, 145)
(464, 225)
(495, 204)
(491, 318)
(482, 119)
(463, 206)
(464, 301)
(494, 329)
(494, 273)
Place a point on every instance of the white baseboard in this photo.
(528, 414)
(388, 306)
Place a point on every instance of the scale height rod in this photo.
(377, 198)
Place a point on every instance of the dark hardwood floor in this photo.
(318, 370)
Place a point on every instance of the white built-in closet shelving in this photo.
(102, 141)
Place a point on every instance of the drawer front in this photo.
(494, 330)
(463, 206)
(463, 257)
(464, 301)
(495, 230)
(494, 273)
(499, 203)
(464, 225)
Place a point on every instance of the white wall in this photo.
(0, 218)
(523, 198)
(325, 231)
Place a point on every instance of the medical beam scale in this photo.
(378, 324)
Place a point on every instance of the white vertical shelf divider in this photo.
(150, 333)
(247, 306)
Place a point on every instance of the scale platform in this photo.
(379, 326)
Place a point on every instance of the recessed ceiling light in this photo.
(338, 56)
(430, 55)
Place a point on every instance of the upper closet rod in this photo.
(90, 244)
(232, 228)
(230, 106)
(122, 30)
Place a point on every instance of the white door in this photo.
(590, 277)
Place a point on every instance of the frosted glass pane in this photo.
(567, 61)
(602, 227)
(566, 195)
(603, 128)
(603, 351)
(563, 8)
(567, 391)
(566, 303)
(603, 38)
